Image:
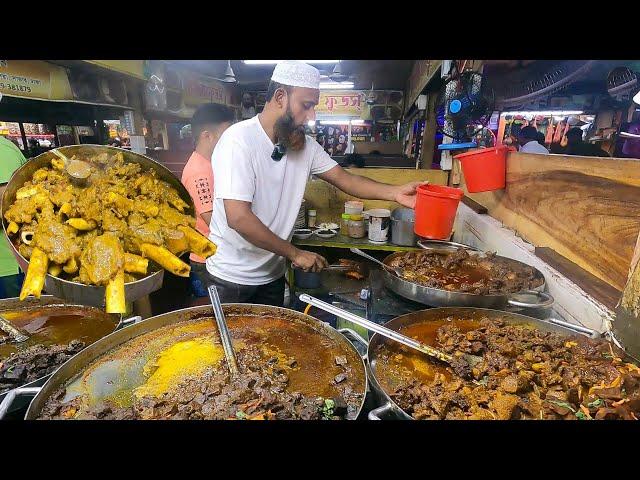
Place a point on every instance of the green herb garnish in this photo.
(327, 408)
(240, 415)
(595, 403)
(563, 404)
(581, 416)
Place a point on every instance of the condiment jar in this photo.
(312, 218)
(344, 224)
(356, 226)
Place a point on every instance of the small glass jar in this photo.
(356, 226)
(344, 224)
(311, 222)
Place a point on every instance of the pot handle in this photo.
(11, 396)
(129, 321)
(355, 336)
(445, 244)
(546, 300)
(379, 412)
(576, 328)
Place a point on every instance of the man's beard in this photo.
(288, 135)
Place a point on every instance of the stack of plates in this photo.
(301, 220)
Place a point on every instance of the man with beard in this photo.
(261, 167)
(248, 107)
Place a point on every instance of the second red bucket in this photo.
(485, 169)
(436, 208)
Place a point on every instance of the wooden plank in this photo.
(329, 201)
(587, 209)
(598, 289)
(627, 324)
(571, 302)
(422, 72)
(475, 206)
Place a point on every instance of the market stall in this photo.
(444, 312)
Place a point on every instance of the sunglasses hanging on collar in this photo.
(279, 151)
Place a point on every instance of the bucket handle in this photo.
(11, 396)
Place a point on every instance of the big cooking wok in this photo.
(437, 297)
(112, 367)
(74, 291)
(381, 379)
(43, 316)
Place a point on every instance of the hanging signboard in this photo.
(343, 103)
(34, 79)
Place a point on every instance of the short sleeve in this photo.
(233, 170)
(321, 161)
(200, 187)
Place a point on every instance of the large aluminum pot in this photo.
(380, 379)
(48, 306)
(74, 291)
(97, 379)
(437, 297)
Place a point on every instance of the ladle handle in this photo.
(225, 337)
(357, 251)
(374, 327)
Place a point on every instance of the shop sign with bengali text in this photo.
(344, 103)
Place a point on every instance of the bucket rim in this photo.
(441, 191)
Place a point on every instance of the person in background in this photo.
(528, 140)
(540, 139)
(248, 106)
(11, 158)
(115, 142)
(208, 123)
(261, 169)
(576, 146)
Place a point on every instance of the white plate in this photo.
(328, 226)
(325, 235)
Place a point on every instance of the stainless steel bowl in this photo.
(74, 291)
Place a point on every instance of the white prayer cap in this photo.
(296, 74)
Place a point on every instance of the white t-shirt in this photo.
(533, 147)
(244, 170)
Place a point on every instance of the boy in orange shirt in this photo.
(207, 125)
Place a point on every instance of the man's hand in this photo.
(308, 261)
(406, 194)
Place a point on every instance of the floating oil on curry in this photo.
(287, 370)
(526, 373)
(55, 334)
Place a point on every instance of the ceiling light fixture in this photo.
(273, 62)
(336, 85)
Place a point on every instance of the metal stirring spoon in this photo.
(225, 337)
(459, 367)
(357, 251)
(18, 335)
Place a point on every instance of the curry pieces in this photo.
(462, 272)
(104, 232)
(526, 373)
(260, 392)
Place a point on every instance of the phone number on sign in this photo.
(14, 88)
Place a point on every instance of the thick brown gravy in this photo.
(55, 325)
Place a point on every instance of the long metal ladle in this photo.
(225, 337)
(16, 334)
(385, 332)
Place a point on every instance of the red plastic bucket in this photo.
(436, 208)
(485, 170)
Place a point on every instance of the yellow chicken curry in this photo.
(104, 230)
